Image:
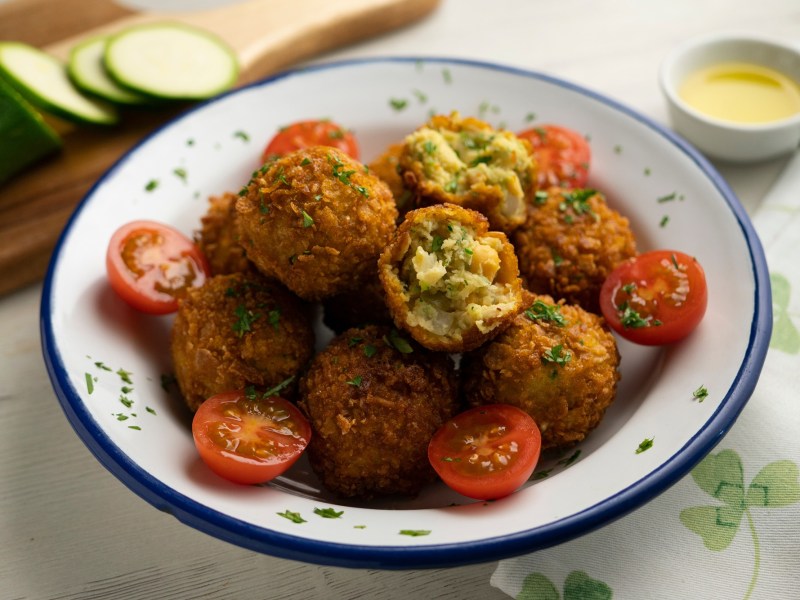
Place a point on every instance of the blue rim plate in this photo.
(106, 362)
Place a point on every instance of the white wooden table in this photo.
(69, 529)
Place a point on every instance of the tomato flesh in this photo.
(656, 298)
(248, 439)
(486, 452)
(151, 265)
(562, 156)
(304, 134)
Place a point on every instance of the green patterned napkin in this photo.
(731, 529)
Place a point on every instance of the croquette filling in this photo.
(452, 280)
(459, 160)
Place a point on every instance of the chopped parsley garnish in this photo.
(273, 391)
(280, 176)
(274, 318)
(151, 185)
(328, 513)
(483, 159)
(578, 201)
(437, 242)
(570, 459)
(540, 197)
(134, 427)
(700, 393)
(557, 355)
(415, 532)
(631, 319)
(294, 517)
(664, 220)
(89, 383)
(125, 375)
(370, 350)
(422, 97)
(617, 149)
(542, 311)
(451, 186)
(530, 117)
(152, 411)
(396, 341)
(398, 104)
(242, 135)
(336, 134)
(180, 173)
(305, 161)
(126, 402)
(244, 320)
(646, 444)
(307, 220)
(355, 381)
(354, 341)
(429, 147)
(629, 288)
(667, 198)
(447, 76)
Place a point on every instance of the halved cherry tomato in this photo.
(655, 298)
(246, 438)
(486, 452)
(311, 133)
(562, 155)
(151, 265)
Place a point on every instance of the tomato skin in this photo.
(666, 289)
(249, 439)
(486, 431)
(303, 134)
(150, 265)
(562, 155)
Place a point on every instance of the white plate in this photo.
(646, 172)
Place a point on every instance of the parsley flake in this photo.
(294, 517)
(242, 135)
(398, 104)
(415, 532)
(89, 383)
(557, 355)
(244, 320)
(437, 242)
(542, 311)
(274, 317)
(307, 220)
(328, 513)
(399, 343)
(355, 381)
(180, 173)
(700, 393)
(151, 185)
(125, 375)
(646, 444)
(370, 350)
(273, 391)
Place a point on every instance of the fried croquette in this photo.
(558, 362)
(449, 281)
(569, 244)
(387, 168)
(374, 400)
(469, 163)
(218, 237)
(237, 330)
(316, 220)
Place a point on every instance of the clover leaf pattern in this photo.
(577, 586)
(722, 477)
(785, 336)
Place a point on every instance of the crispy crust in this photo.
(566, 400)
(210, 357)
(481, 193)
(567, 253)
(218, 237)
(373, 411)
(316, 220)
(405, 300)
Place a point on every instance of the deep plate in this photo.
(647, 174)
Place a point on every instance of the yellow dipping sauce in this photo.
(742, 92)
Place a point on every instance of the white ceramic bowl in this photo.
(719, 138)
(671, 194)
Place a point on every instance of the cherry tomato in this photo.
(655, 298)
(151, 265)
(562, 155)
(311, 133)
(486, 452)
(246, 438)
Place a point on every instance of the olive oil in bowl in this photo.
(742, 92)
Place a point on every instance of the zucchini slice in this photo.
(87, 71)
(26, 138)
(171, 61)
(42, 80)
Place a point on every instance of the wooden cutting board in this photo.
(267, 35)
